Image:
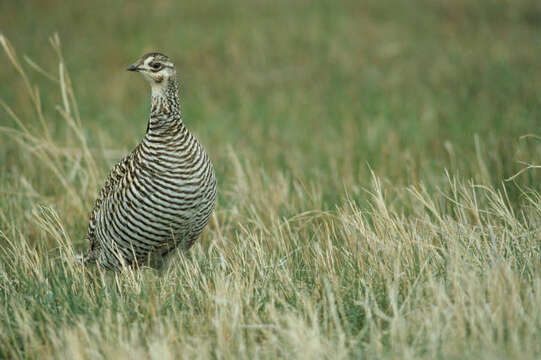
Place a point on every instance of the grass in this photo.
(362, 151)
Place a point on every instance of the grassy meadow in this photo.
(366, 154)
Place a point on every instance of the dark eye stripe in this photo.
(162, 66)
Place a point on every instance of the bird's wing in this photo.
(112, 183)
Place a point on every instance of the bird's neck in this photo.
(165, 107)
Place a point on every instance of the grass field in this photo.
(363, 150)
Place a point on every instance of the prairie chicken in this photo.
(161, 195)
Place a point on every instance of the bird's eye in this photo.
(156, 65)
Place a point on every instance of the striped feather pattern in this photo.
(159, 197)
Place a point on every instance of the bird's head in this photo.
(157, 68)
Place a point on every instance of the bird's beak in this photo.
(133, 67)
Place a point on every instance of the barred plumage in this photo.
(161, 195)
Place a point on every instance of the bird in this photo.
(161, 195)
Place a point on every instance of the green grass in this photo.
(362, 151)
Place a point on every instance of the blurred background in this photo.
(322, 91)
(296, 103)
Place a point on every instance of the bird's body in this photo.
(161, 195)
